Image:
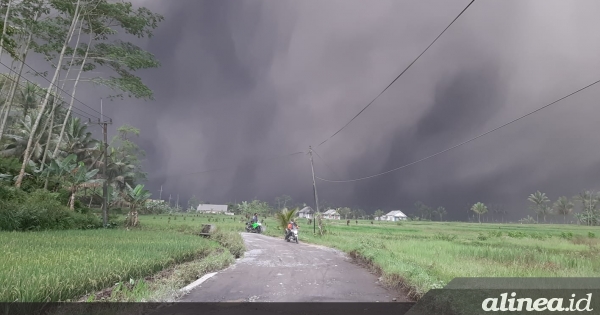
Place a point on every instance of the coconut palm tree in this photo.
(480, 209)
(19, 135)
(563, 207)
(285, 216)
(441, 211)
(27, 97)
(75, 175)
(539, 199)
(77, 140)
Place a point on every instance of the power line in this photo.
(55, 85)
(38, 93)
(465, 9)
(465, 142)
(228, 168)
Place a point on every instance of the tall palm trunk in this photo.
(62, 88)
(47, 97)
(6, 17)
(15, 84)
(62, 130)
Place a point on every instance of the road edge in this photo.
(198, 282)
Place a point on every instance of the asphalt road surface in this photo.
(273, 270)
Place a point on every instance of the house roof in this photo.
(330, 212)
(306, 210)
(216, 208)
(396, 213)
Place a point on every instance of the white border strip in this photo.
(198, 282)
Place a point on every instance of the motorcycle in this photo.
(254, 227)
(293, 237)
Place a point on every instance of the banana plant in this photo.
(135, 197)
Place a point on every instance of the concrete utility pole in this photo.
(160, 194)
(104, 124)
(177, 204)
(169, 200)
(314, 189)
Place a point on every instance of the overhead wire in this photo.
(56, 85)
(58, 88)
(74, 109)
(419, 56)
(462, 143)
(447, 27)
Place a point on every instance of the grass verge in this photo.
(150, 263)
(419, 256)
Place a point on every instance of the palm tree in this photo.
(77, 140)
(76, 175)
(28, 97)
(285, 216)
(135, 197)
(589, 201)
(563, 207)
(441, 211)
(82, 178)
(480, 209)
(539, 199)
(18, 137)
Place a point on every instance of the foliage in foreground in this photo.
(60, 265)
(40, 210)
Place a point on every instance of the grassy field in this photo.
(425, 255)
(63, 265)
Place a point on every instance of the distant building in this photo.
(395, 215)
(212, 208)
(331, 214)
(306, 212)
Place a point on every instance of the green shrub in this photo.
(482, 237)
(591, 235)
(10, 193)
(566, 236)
(495, 234)
(517, 234)
(42, 211)
(230, 240)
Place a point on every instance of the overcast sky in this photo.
(245, 81)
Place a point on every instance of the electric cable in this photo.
(462, 143)
(463, 11)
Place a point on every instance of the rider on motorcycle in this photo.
(254, 218)
(292, 225)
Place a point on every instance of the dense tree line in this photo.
(44, 146)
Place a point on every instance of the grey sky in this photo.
(246, 80)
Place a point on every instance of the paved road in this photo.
(273, 270)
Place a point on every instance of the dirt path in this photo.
(273, 270)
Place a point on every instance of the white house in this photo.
(212, 208)
(306, 212)
(395, 215)
(331, 214)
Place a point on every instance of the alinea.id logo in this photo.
(505, 304)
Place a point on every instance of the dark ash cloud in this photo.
(245, 81)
